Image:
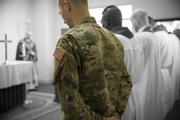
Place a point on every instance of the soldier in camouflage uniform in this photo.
(89, 72)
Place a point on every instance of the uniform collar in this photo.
(87, 20)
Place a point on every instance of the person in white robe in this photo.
(174, 45)
(149, 81)
(170, 67)
(166, 84)
(171, 85)
(151, 88)
(134, 60)
(140, 21)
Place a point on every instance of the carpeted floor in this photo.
(46, 88)
(55, 115)
(41, 106)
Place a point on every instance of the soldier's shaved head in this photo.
(73, 10)
(74, 2)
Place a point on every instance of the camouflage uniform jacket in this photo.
(91, 78)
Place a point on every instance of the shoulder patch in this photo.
(58, 53)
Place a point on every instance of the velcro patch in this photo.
(58, 53)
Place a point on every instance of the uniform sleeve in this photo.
(67, 83)
(126, 86)
(125, 90)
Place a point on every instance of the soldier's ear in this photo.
(104, 22)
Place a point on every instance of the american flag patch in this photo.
(58, 53)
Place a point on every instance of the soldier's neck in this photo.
(79, 14)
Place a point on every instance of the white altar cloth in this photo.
(16, 72)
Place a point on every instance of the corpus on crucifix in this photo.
(6, 41)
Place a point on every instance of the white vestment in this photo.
(134, 60)
(153, 61)
(147, 89)
(133, 57)
(166, 85)
(175, 68)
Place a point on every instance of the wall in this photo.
(46, 29)
(104, 3)
(11, 23)
(159, 9)
(47, 24)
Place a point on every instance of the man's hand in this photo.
(32, 53)
(112, 118)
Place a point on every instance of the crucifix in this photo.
(5, 42)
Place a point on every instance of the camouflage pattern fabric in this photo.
(91, 78)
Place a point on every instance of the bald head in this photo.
(139, 19)
(111, 17)
(28, 35)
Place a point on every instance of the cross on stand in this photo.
(5, 42)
